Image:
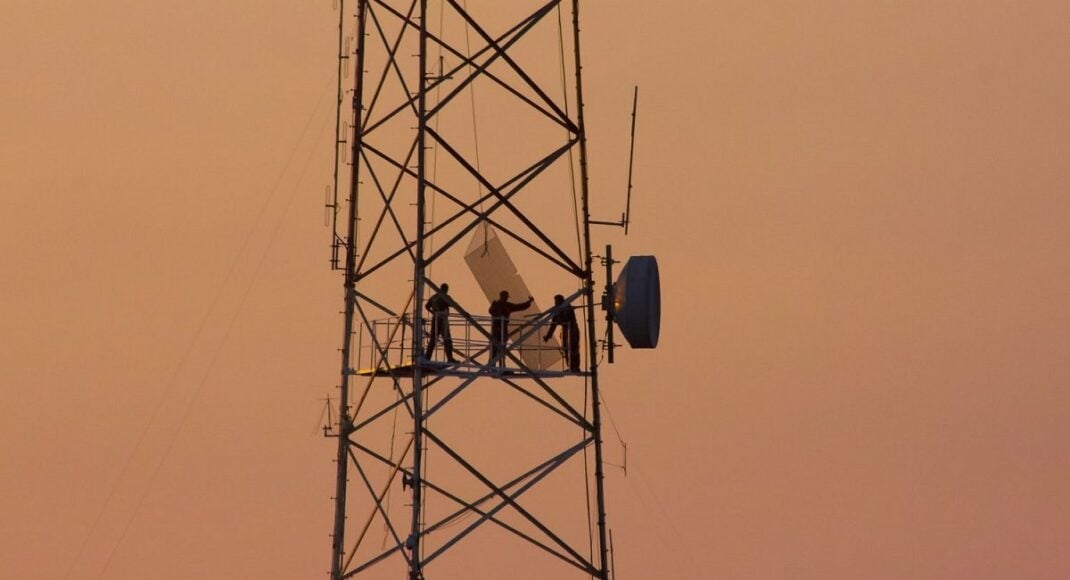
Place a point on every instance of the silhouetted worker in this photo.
(500, 310)
(570, 332)
(439, 307)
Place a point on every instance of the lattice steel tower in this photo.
(492, 460)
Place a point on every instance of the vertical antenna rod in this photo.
(626, 217)
(588, 288)
(332, 205)
(631, 159)
(345, 422)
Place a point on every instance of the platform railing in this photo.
(387, 343)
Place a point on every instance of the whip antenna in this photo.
(626, 217)
(631, 160)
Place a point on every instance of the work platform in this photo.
(464, 369)
(385, 349)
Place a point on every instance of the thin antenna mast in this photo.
(626, 217)
(331, 203)
(631, 161)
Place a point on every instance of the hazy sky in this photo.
(860, 213)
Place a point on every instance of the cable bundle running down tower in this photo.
(459, 397)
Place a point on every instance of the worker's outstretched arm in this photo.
(549, 333)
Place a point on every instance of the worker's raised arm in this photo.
(523, 305)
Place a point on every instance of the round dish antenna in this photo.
(633, 302)
(637, 302)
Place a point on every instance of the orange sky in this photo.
(859, 210)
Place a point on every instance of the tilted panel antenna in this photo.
(451, 467)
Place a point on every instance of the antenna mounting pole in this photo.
(608, 300)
